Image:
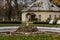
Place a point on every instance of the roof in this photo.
(47, 6)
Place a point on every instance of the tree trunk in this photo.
(16, 9)
(9, 9)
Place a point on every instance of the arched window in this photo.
(27, 15)
(32, 16)
(39, 17)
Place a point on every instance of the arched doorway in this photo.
(32, 16)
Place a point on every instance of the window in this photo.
(59, 16)
(54, 16)
(39, 17)
(50, 17)
(52, 5)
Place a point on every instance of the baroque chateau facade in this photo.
(41, 10)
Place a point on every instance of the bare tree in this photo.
(9, 9)
(16, 9)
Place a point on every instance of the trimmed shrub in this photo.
(42, 22)
(10, 22)
(55, 22)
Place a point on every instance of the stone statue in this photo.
(27, 20)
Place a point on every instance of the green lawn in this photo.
(24, 24)
(12, 25)
(50, 25)
(31, 37)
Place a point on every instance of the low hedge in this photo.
(36, 22)
(10, 22)
(42, 22)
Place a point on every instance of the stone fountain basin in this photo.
(8, 28)
(14, 29)
(49, 29)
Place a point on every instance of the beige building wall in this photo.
(44, 15)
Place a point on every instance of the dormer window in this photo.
(52, 5)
